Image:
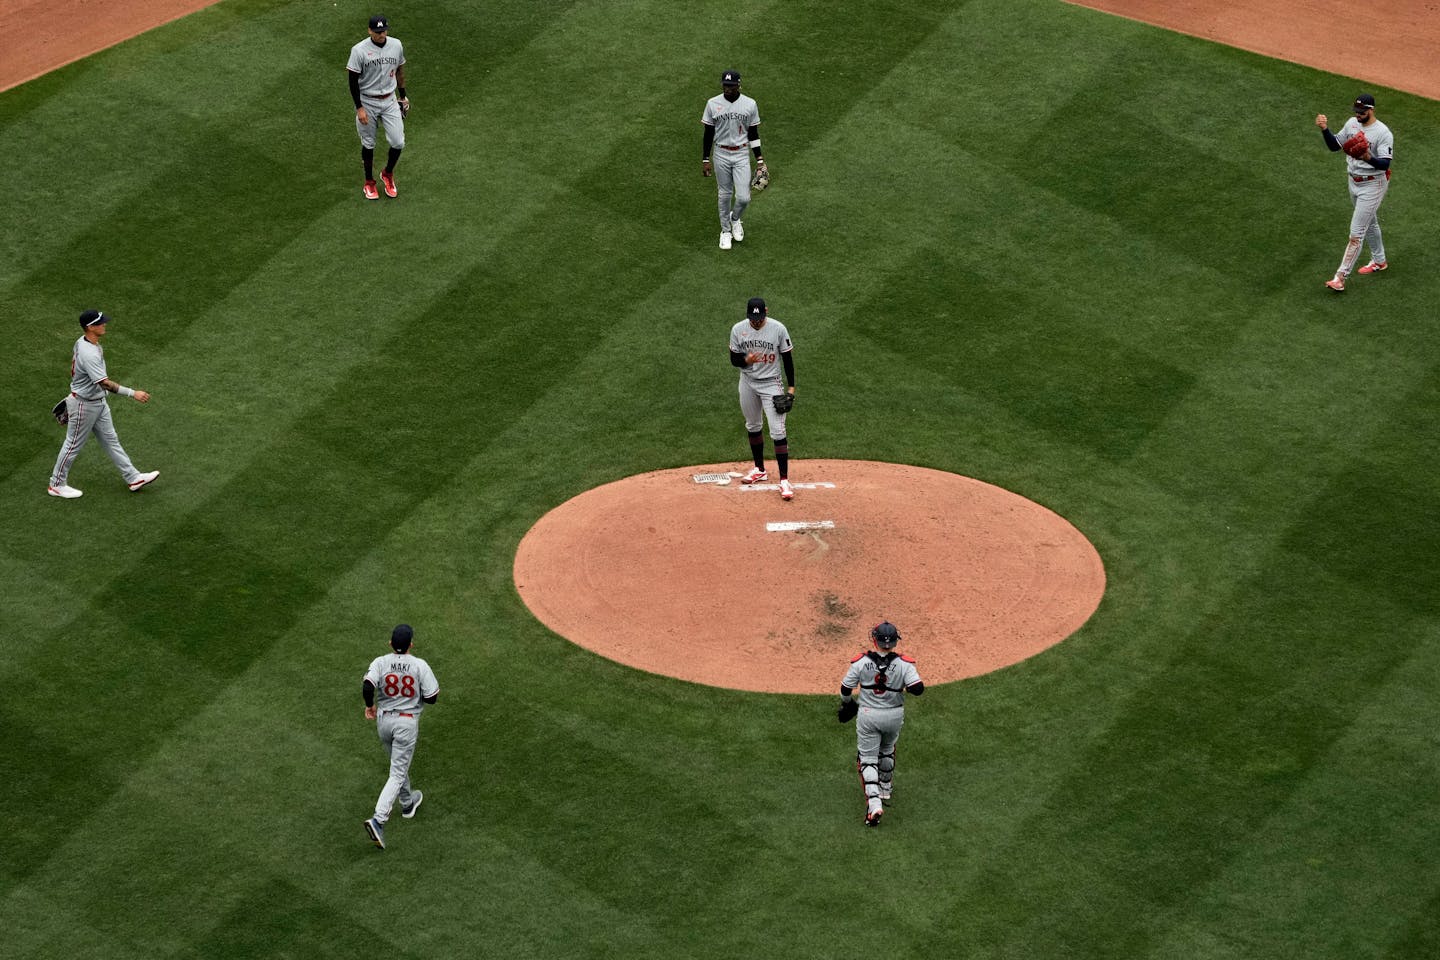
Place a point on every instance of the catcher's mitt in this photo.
(848, 708)
(783, 402)
(61, 413)
(404, 107)
(1356, 145)
(761, 180)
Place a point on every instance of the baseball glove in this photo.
(848, 708)
(761, 180)
(404, 107)
(61, 413)
(1356, 145)
(783, 402)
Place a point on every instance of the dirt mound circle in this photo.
(729, 585)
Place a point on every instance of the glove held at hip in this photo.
(783, 402)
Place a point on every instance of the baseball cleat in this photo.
(1374, 266)
(872, 819)
(376, 831)
(143, 479)
(408, 812)
(725, 241)
(370, 192)
(755, 475)
(64, 492)
(1336, 283)
(785, 492)
(737, 230)
(388, 179)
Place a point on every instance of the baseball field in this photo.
(1074, 256)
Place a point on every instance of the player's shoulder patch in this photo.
(859, 657)
(907, 659)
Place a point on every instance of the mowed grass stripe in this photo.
(1335, 869)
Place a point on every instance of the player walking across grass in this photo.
(397, 688)
(87, 412)
(732, 123)
(376, 72)
(1369, 149)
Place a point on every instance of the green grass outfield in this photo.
(1068, 254)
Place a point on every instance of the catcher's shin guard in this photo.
(869, 768)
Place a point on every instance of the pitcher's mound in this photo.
(729, 585)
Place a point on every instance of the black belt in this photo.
(376, 96)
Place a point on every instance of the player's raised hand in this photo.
(1321, 120)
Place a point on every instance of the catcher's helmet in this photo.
(885, 635)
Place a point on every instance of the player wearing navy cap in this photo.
(1369, 149)
(376, 72)
(760, 346)
(396, 689)
(882, 677)
(87, 411)
(732, 122)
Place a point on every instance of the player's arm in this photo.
(916, 688)
(707, 144)
(789, 363)
(737, 360)
(1379, 163)
(432, 698)
(110, 386)
(367, 691)
(400, 82)
(1330, 141)
(354, 86)
(754, 131)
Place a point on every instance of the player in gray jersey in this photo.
(1367, 169)
(396, 689)
(732, 123)
(376, 72)
(88, 411)
(760, 346)
(883, 677)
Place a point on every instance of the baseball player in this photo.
(377, 85)
(883, 677)
(397, 687)
(88, 411)
(760, 345)
(732, 122)
(1369, 148)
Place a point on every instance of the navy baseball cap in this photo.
(1364, 102)
(755, 308)
(401, 636)
(92, 318)
(379, 23)
(730, 76)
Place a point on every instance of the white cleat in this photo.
(64, 492)
(143, 479)
(754, 475)
(725, 240)
(737, 230)
(785, 492)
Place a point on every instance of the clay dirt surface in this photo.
(684, 579)
(1393, 44)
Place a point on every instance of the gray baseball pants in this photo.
(87, 417)
(397, 735)
(732, 178)
(1365, 197)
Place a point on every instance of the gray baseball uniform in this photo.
(881, 678)
(1368, 186)
(401, 681)
(762, 379)
(731, 157)
(376, 66)
(89, 413)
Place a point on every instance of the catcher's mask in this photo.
(885, 635)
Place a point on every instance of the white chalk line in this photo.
(785, 526)
(798, 486)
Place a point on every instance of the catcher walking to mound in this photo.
(760, 346)
(732, 122)
(1369, 148)
(883, 677)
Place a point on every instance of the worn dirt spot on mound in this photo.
(695, 581)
